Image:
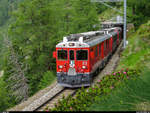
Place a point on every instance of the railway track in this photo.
(56, 92)
(51, 103)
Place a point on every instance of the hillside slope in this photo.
(136, 55)
(132, 95)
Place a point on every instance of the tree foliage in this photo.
(4, 99)
(140, 11)
(3, 11)
(47, 78)
(40, 25)
(6, 7)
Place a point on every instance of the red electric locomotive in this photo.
(79, 56)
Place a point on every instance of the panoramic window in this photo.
(104, 45)
(115, 39)
(96, 51)
(71, 52)
(62, 54)
(82, 55)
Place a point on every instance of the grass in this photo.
(136, 55)
(48, 78)
(132, 95)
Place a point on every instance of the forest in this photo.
(29, 31)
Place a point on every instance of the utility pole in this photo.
(125, 15)
(125, 23)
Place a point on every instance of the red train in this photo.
(81, 55)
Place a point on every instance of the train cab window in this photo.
(71, 54)
(62, 54)
(82, 55)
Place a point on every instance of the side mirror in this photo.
(92, 54)
(54, 54)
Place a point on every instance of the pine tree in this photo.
(16, 80)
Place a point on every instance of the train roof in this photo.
(87, 39)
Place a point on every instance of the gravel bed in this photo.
(36, 96)
(35, 104)
(51, 104)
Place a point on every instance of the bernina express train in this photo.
(79, 56)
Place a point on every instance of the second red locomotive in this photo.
(79, 56)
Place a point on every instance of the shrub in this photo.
(86, 97)
(4, 99)
(47, 79)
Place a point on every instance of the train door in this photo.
(102, 50)
(118, 40)
(71, 58)
(105, 49)
(107, 46)
(72, 70)
(111, 42)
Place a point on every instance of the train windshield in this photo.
(62, 54)
(82, 55)
(71, 52)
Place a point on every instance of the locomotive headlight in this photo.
(60, 67)
(82, 79)
(71, 44)
(84, 67)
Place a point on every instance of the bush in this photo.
(47, 79)
(131, 95)
(4, 99)
(85, 97)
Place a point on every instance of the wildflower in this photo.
(119, 72)
(107, 73)
(124, 72)
(99, 80)
(93, 88)
(114, 73)
(127, 77)
(70, 108)
(111, 87)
